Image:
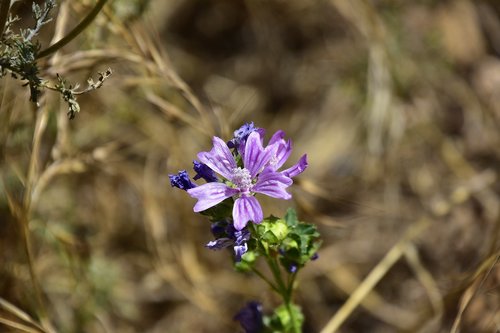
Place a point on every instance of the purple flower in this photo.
(293, 268)
(236, 238)
(181, 180)
(250, 317)
(255, 176)
(203, 171)
(241, 136)
(283, 153)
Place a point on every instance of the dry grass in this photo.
(396, 104)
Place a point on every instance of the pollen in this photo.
(242, 178)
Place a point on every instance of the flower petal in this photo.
(219, 158)
(298, 168)
(273, 184)
(284, 149)
(256, 157)
(278, 136)
(220, 243)
(241, 146)
(239, 251)
(246, 209)
(210, 194)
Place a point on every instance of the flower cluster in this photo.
(250, 169)
(245, 167)
(235, 173)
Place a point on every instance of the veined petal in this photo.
(219, 158)
(246, 209)
(220, 243)
(273, 184)
(284, 149)
(278, 136)
(256, 157)
(210, 194)
(298, 168)
(241, 147)
(239, 251)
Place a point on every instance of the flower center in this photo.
(242, 179)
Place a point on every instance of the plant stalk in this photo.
(284, 290)
(75, 32)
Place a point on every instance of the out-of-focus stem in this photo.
(263, 277)
(75, 32)
(4, 15)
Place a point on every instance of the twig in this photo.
(75, 32)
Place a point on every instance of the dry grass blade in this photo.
(55, 169)
(173, 111)
(374, 303)
(18, 326)
(374, 277)
(473, 290)
(14, 310)
(425, 279)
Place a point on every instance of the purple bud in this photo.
(220, 243)
(315, 256)
(242, 133)
(218, 228)
(181, 180)
(239, 251)
(241, 236)
(250, 317)
(204, 171)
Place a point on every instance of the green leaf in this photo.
(291, 217)
(282, 321)
(247, 262)
(220, 211)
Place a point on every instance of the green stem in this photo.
(277, 275)
(282, 287)
(263, 277)
(75, 32)
(291, 281)
(296, 329)
(284, 290)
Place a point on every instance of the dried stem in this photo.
(75, 32)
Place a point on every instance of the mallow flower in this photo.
(258, 174)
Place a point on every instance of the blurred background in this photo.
(396, 103)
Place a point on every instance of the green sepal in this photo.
(247, 261)
(291, 217)
(282, 322)
(272, 230)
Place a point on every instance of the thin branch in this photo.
(75, 32)
(41, 17)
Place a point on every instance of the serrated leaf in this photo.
(291, 217)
